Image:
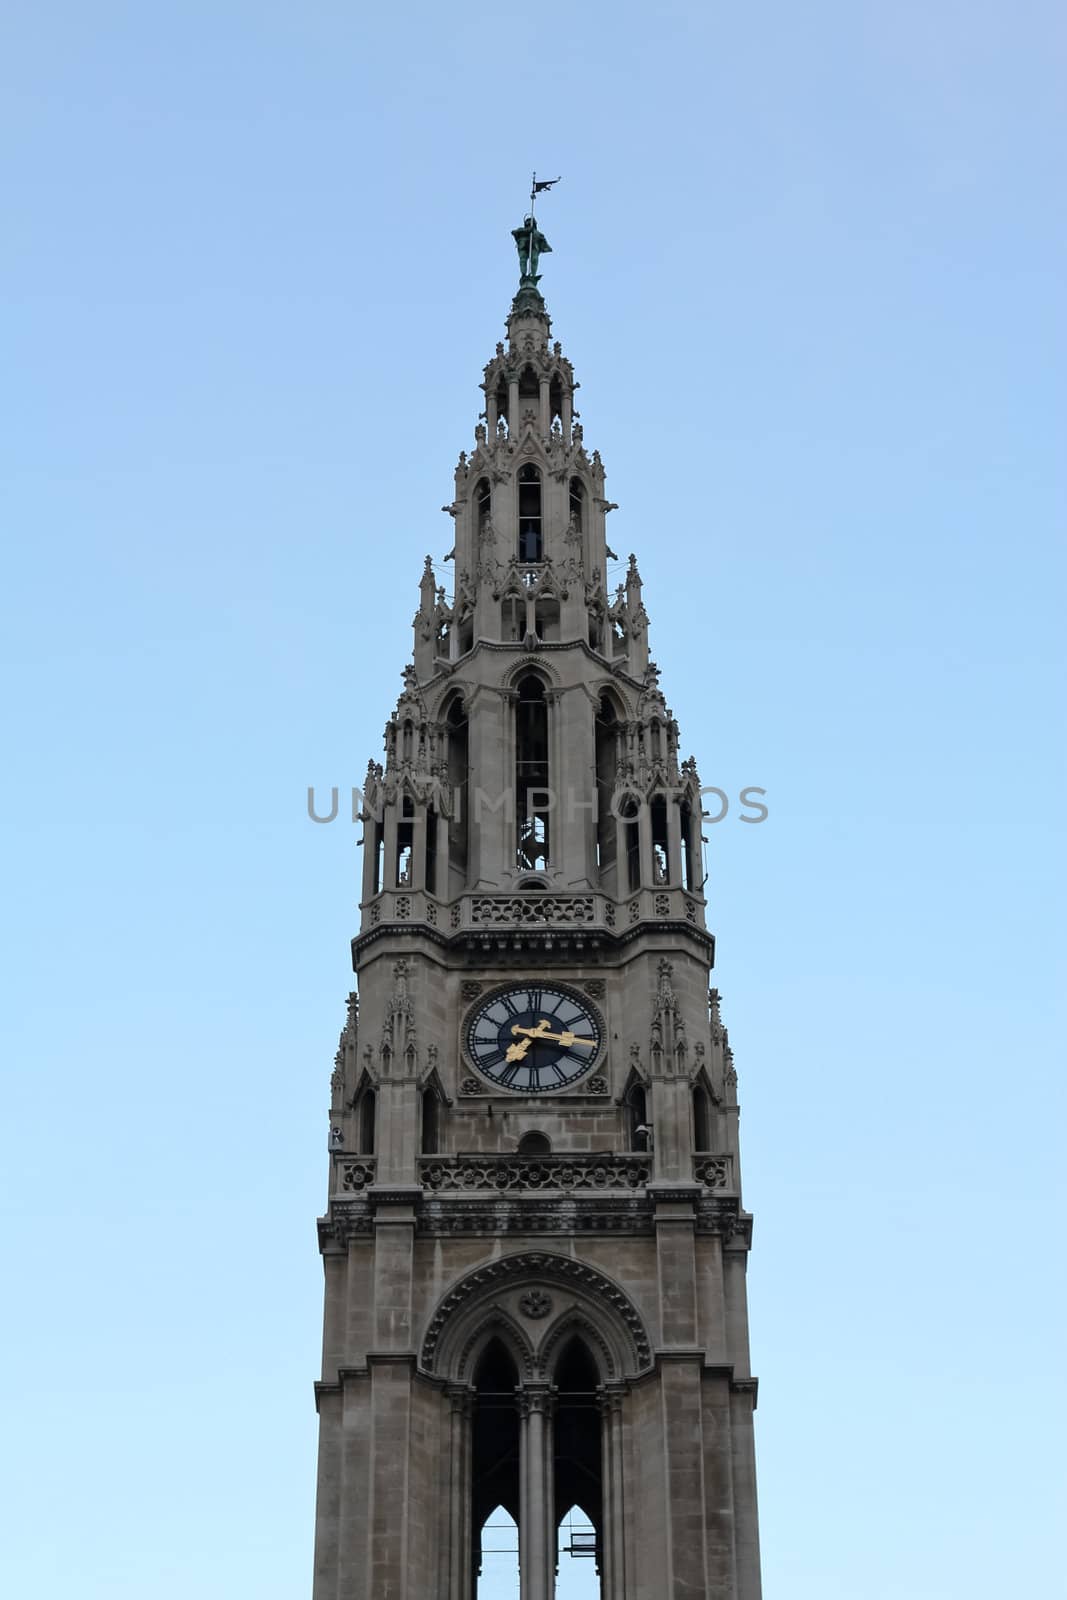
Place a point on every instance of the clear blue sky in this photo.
(808, 261)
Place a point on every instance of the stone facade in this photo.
(551, 1278)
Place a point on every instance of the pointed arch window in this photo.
(661, 861)
(531, 541)
(532, 795)
(495, 1461)
(366, 1109)
(405, 842)
(606, 737)
(701, 1119)
(577, 1454)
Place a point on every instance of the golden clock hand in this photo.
(515, 1052)
(566, 1038)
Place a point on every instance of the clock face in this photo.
(533, 1037)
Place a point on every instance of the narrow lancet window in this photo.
(701, 1120)
(661, 872)
(531, 543)
(577, 1464)
(431, 1120)
(606, 736)
(367, 1109)
(495, 1466)
(405, 838)
(458, 787)
(533, 798)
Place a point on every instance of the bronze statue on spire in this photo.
(531, 245)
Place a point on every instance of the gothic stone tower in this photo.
(535, 1247)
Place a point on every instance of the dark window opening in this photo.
(606, 734)
(531, 544)
(502, 404)
(555, 398)
(529, 384)
(701, 1120)
(531, 774)
(637, 1117)
(431, 1123)
(535, 1144)
(431, 851)
(367, 1108)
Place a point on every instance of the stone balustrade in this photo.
(510, 1174)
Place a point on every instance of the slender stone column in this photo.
(418, 847)
(544, 407)
(390, 833)
(537, 1532)
(613, 1513)
(674, 843)
(459, 1512)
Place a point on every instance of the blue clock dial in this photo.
(533, 1038)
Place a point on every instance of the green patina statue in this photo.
(531, 244)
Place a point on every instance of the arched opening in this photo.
(577, 1463)
(701, 1120)
(535, 1144)
(499, 1574)
(577, 1571)
(502, 406)
(529, 385)
(458, 785)
(629, 812)
(555, 398)
(661, 864)
(494, 1466)
(405, 840)
(531, 543)
(431, 1123)
(532, 797)
(606, 737)
(366, 1110)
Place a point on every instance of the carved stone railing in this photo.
(714, 1172)
(532, 1174)
(534, 910)
(531, 910)
(354, 1174)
